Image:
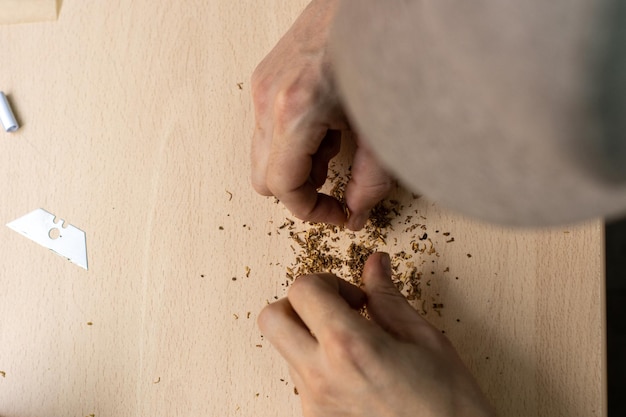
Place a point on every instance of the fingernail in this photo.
(356, 222)
(385, 262)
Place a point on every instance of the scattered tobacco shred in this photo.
(357, 255)
(326, 248)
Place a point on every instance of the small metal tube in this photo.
(7, 118)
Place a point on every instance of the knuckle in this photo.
(378, 189)
(305, 285)
(291, 102)
(259, 166)
(262, 319)
(317, 383)
(287, 99)
(302, 207)
(435, 340)
(275, 178)
(267, 316)
(256, 78)
(347, 347)
(364, 195)
(260, 187)
(304, 214)
(260, 89)
(385, 187)
(301, 285)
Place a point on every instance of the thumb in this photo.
(369, 184)
(385, 304)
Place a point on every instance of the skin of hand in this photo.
(299, 120)
(394, 365)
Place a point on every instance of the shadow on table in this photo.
(516, 383)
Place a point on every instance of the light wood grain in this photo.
(133, 129)
(26, 11)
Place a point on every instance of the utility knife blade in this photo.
(61, 238)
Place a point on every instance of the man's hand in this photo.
(298, 128)
(395, 364)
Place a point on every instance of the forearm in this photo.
(486, 106)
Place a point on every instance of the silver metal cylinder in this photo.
(7, 118)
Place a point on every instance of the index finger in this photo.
(288, 177)
(286, 332)
(326, 304)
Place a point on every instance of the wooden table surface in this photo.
(136, 122)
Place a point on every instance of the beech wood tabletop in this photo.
(136, 120)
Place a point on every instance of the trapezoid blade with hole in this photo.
(39, 226)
